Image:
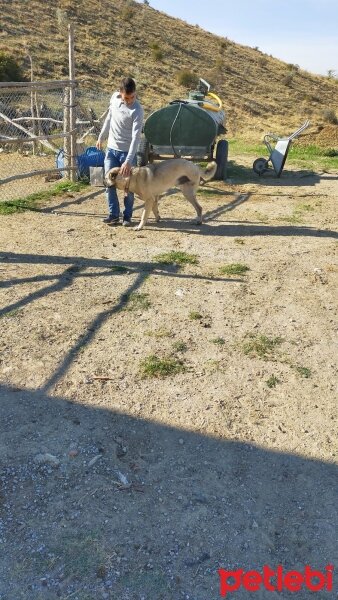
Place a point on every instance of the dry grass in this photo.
(260, 93)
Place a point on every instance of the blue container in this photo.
(90, 158)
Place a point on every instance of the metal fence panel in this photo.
(34, 125)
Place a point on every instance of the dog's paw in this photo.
(137, 228)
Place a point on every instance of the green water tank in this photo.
(182, 129)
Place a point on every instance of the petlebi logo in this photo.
(276, 580)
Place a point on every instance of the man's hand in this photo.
(98, 145)
(125, 169)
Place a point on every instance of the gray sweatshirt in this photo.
(123, 126)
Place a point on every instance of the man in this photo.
(123, 126)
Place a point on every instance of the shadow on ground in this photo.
(304, 177)
(127, 509)
(75, 267)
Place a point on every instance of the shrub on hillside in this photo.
(224, 44)
(128, 11)
(10, 70)
(157, 54)
(329, 116)
(262, 61)
(287, 79)
(156, 51)
(187, 78)
(292, 67)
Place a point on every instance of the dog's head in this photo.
(111, 176)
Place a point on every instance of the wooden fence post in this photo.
(72, 104)
(66, 130)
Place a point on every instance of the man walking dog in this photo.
(123, 127)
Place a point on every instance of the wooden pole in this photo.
(36, 138)
(66, 130)
(32, 101)
(72, 103)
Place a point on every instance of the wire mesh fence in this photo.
(91, 110)
(35, 133)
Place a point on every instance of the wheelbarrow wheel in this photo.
(260, 165)
(221, 159)
(142, 156)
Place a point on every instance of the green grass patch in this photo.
(194, 315)
(272, 381)
(213, 365)
(160, 333)
(234, 269)
(136, 301)
(293, 219)
(242, 147)
(219, 341)
(261, 216)
(309, 157)
(311, 152)
(260, 346)
(153, 366)
(305, 208)
(176, 258)
(31, 201)
(206, 191)
(180, 346)
(303, 371)
(297, 215)
(11, 313)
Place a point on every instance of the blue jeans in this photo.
(116, 158)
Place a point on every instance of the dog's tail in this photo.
(209, 172)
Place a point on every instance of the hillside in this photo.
(260, 93)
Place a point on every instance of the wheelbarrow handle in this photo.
(296, 133)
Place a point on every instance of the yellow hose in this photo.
(211, 105)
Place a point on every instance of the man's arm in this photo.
(136, 135)
(104, 131)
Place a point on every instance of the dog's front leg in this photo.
(148, 205)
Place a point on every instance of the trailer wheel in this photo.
(260, 165)
(142, 156)
(221, 159)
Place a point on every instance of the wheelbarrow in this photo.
(279, 153)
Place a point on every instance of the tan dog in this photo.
(151, 181)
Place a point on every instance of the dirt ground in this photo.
(121, 486)
(14, 163)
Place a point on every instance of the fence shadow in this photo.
(77, 267)
(240, 229)
(99, 504)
